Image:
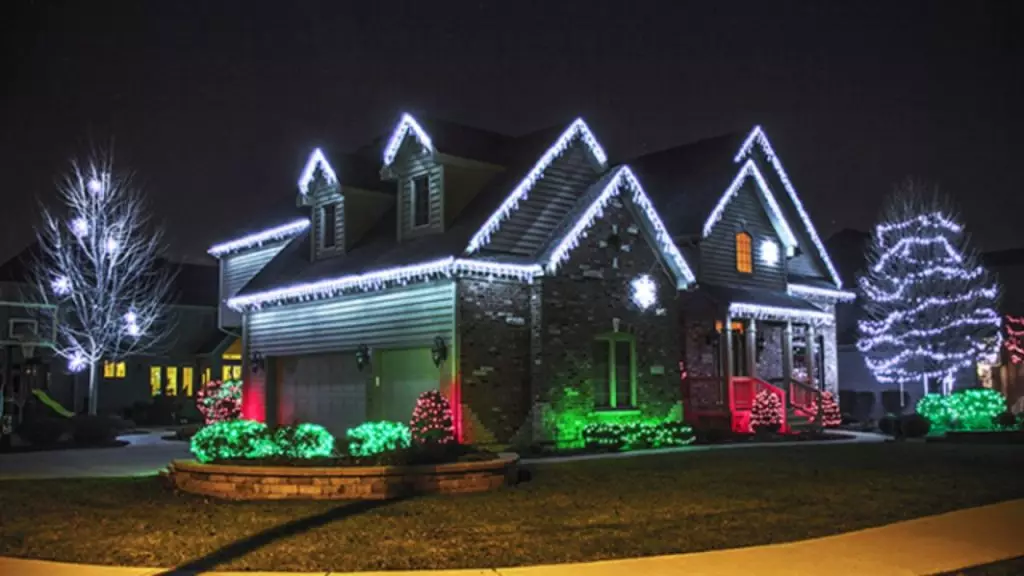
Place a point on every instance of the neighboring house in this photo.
(848, 247)
(534, 282)
(195, 351)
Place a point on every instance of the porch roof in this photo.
(766, 304)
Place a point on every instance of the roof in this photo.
(686, 182)
(733, 295)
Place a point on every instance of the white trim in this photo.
(749, 170)
(760, 312)
(281, 232)
(317, 158)
(405, 125)
(757, 135)
(579, 129)
(805, 291)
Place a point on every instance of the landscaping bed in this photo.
(579, 511)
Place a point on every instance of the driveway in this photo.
(145, 455)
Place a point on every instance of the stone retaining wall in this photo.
(341, 483)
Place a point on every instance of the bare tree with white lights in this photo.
(99, 271)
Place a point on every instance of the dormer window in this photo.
(330, 221)
(421, 201)
(744, 256)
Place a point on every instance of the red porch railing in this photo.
(803, 398)
(742, 391)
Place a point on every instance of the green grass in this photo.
(568, 512)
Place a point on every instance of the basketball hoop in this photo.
(28, 348)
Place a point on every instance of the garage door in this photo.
(326, 389)
(404, 375)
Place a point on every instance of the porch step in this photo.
(797, 421)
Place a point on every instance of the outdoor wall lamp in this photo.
(439, 352)
(256, 362)
(362, 356)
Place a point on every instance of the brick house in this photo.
(537, 284)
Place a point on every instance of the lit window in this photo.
(172, 380)
(744, 260)
(615, 372)
(156, 381)
(112, 370)
(421, 201)
(231, 372)
(186, 381)
(206, 375)
(330, 222)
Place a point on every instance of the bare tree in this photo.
(99, 269)
(929, 305)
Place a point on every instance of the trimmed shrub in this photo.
(935, 408)
(234, 440)
(431, 421)
(891, 401)
(304, 441)
(890, 425)
(914, 425)
(220, 401)
(831, 417)
(976, 408)
(864, 405)
(43, 430)
(95, 430)
(1006, 421)
(848, 403)
(638, 435)
(766, 413)
(378, 437)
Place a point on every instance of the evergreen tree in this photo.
(766, 413)
(929, 306)
(432, 419)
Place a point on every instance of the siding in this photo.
(406, 317)
(235, 272)
(528, 227)
(718, 251)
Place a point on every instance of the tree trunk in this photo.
(93, 389)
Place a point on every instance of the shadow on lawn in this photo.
(246, 545)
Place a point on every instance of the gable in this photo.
(591, 207)
(406, 126)
(578, 131)
(770, 206)
(758, 138)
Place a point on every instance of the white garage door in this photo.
(326, 389)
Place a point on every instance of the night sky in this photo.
(216, 105)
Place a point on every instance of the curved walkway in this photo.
(924, 546)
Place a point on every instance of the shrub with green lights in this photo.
(304, 440)
(431, 421)
(637, 435)
(234, 440)
(377, 438)
(975, 409)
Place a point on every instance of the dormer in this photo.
(434, 184)
(341, 209)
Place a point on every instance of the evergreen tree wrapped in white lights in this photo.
(929, 306)
(766, 413)
(97, 274)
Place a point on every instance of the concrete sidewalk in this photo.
(924, 546)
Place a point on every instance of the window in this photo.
(172, 381)
(231, 372)
(206, 375)
(615, 372)
(744, 260)
(330, 221)
(113, 370)
(186, 381)
(421, 201)
(156, 387)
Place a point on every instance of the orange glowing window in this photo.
(744, 257)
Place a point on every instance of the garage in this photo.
(402, 375)
(326, 389)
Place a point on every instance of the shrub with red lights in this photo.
(220, 401)
(832, 417)
(432, 419)
(766, 413)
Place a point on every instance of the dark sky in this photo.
(216, 104)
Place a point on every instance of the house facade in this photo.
(539, 285)
(195, 351)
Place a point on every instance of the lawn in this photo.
(588, 510)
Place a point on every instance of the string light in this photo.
(645, 291)
(805, 291)
(761, 312)
(372, 438)
(749, 170)
(316, 159)
(758, 136)
(77, 362)
(61, 285)
(95, 186)
(578, 129)
(274, 234)
(1014, 341)
(405, 125)
(431, 421)
(80, 227)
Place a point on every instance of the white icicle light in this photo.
(316, 159)
(400, 275)
(645, 291)
(578, 129)
(761, 312)
(758, 136)
(405, 125)
(804, 291)
(749, 170)
(623, 177)
(80, 227)
(259, 238)
(61, 285)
